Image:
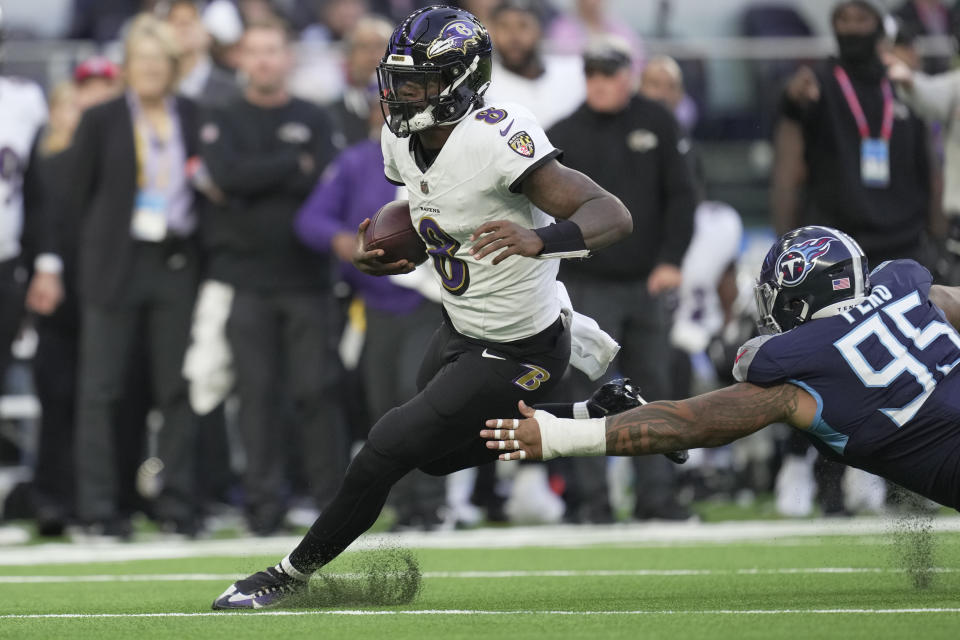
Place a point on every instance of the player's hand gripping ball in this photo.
(388, 244)
(392, 232)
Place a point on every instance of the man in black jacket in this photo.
(265, 153)
(629, 145)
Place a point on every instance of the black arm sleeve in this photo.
(679, 196)
(238, 171)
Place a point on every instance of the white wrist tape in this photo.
(568, 437)
(580, 410)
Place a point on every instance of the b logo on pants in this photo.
(533, 378)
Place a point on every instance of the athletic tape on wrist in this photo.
(580, 410)
(571, 437)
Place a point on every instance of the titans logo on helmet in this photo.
(455, 36)
(795, 263)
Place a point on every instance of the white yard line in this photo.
(472, 612)
(473, 575)
(568, 536)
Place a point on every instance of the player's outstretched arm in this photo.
(598, 218)
(948, 299)
(708, 420)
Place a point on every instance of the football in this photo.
(392, 231)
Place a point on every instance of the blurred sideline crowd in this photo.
(177, 222)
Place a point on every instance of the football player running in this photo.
(479, 178)
(863, 362)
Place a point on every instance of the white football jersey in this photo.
(23, 111)
(476, 178)
(717, 232)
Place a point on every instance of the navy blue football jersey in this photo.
(883, 375)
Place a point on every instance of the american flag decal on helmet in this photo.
(841, 283)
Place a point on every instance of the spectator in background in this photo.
(58, 331)
(937, 98)
(95, 81)
(336, 19)
(572, 33)
(552, 87)
(848, 155)
(137, 274)
(211, 87)
(662, 80)
(265, 153)
(98, 80)
(482, 9)
(200, 80)
(928, 18)
(256, 11)
(365, 46)
(101, 20)
(24, 229)
(629, 145)
(223, 22)
(399, 320)
(55, 361)
(709, 270)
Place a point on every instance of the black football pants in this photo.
(462, 382)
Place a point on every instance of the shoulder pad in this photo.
(745, 356)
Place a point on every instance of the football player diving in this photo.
(480, 177)
(862, 362)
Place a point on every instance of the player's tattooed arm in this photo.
(708, 420)
(570, 195)
(948, 299)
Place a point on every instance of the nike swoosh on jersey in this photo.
(487, 354)
(504, 132)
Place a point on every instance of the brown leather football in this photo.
(391, 230)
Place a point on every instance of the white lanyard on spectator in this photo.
(874, 152)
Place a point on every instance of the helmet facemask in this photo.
(415, 98)
(765, 295)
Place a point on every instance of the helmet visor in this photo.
(406, 92)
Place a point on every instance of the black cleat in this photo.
(618, 396)
(263, 589)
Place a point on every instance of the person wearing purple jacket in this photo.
(399, 320)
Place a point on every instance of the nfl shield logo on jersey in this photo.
(522, 143)
(424, 187)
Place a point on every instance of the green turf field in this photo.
(855, 586)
